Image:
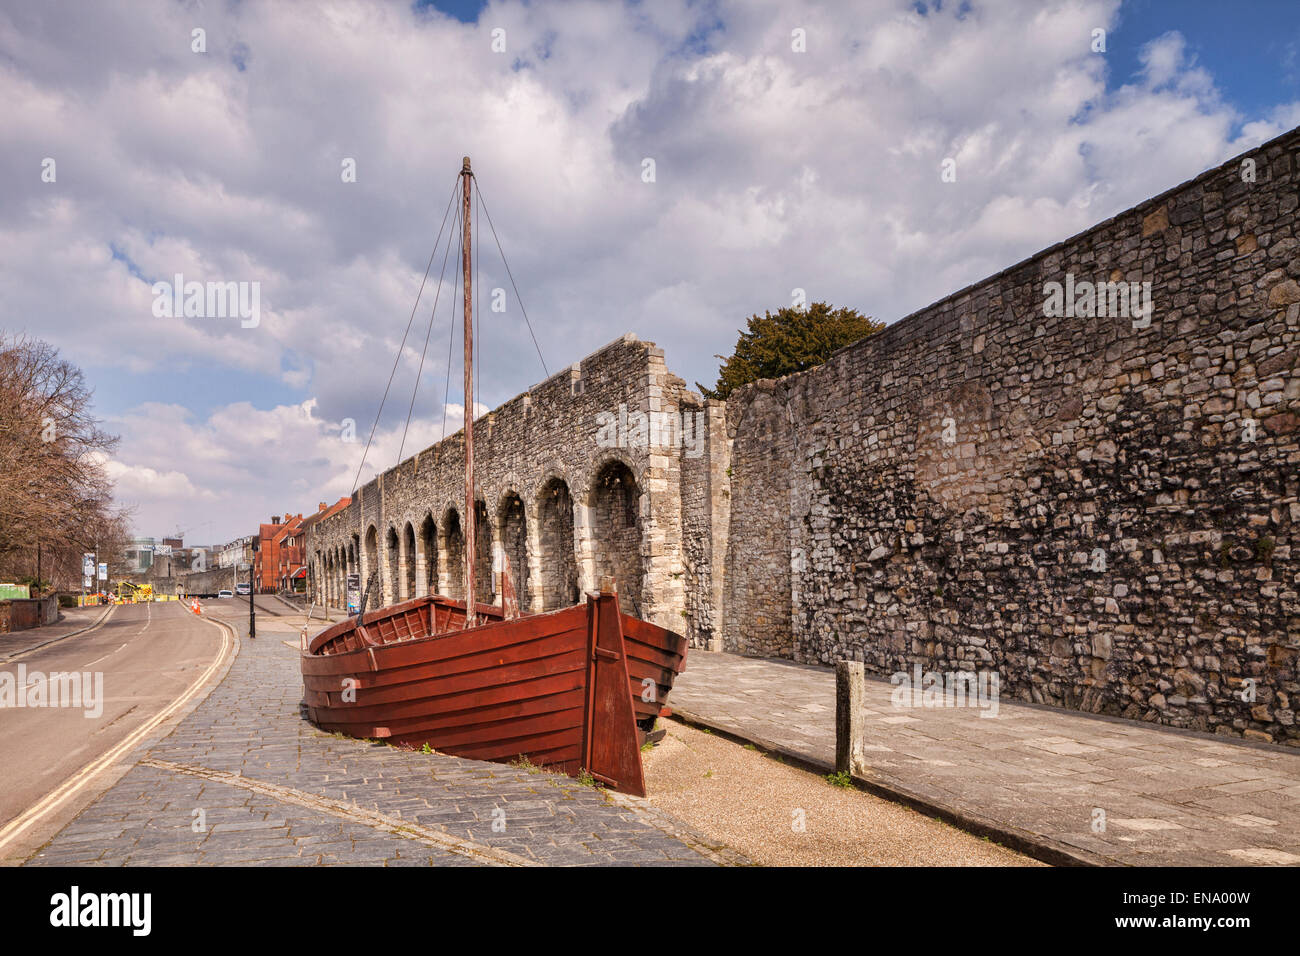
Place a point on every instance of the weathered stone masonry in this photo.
(1101, 509)
(1074, 502)
(553, 505)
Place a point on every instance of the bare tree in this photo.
(55, 493)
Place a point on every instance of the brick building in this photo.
(279, 552)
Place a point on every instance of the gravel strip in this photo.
(782, 816)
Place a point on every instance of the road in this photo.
(57, 759)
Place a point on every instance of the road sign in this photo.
(164, 550)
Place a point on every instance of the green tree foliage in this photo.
(789, 341)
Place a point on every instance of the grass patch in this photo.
(841, 779)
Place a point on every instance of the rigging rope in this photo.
(427, 269)
(420, 371)
(480, 206)
(504, 262)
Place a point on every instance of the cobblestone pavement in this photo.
(1168, 797)
(245, 779)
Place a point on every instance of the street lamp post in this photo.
(252, 571)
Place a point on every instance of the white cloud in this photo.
(775, 170)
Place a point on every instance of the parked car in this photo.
(241, 588)
(225, 593)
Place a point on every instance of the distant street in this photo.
(148, 655)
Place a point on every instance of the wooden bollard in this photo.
(850, 715)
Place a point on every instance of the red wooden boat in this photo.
(573, 690)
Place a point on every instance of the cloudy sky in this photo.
(775, 168)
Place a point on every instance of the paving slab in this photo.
(245, 779)
(1100, 790)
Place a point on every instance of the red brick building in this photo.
(279, 551)
(322, 511)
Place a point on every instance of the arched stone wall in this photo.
(370, 572)
(408, 563)
(451, 557)
(427, 570)
(513, 521)
(616, 530)
(558, 584)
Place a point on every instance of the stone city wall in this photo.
(1096, 501)
(1100, 507)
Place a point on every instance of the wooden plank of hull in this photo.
(553, 750)
(430, 680)
(655, 654)
(437, 699)
(445, 646)
(658, 646)
(376, 667)
(419, 716)
(493, 726)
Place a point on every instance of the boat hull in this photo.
(570, 690)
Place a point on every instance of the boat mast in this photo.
(471, 608)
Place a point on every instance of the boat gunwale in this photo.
(317, 642)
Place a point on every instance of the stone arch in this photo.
(757, 584)
(370, 560)
(342, 568)
(408, 562)
(614, 501)
(338, 575)
(451, 555)
(513, 525)
(558, 580)
(484, 583)
(392, 561)
(428, 545)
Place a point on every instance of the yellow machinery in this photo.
(128, 592)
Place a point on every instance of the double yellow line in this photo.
(74, 784)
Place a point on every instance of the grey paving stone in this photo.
(1040, 769)
(252, 725)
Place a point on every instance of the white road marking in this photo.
(83, 777)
